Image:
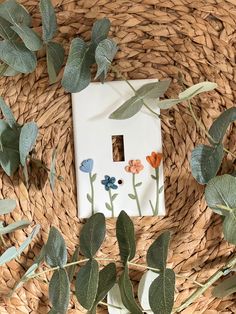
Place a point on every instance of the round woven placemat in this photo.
(157, 39)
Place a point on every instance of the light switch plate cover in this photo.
(105, 185)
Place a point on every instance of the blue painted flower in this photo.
(109, 183)
(86, 165)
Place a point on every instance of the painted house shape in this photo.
(94, 137)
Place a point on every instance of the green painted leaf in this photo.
(132, 196)
(138, 184)
(114, 196)
(128, 109)
(28, 240)
(161, 189)
(87, 284)
(104, 55)
(29, 37)
(55, 59)
(115, 304)
(161, 292)
(52, 173)
(55, 249)
(5, 30)
(225, 288)
(206, 162)
(28, 136)
(8, 115)
(126, 237)
(15, 13)
(8, 255)
(158, 251)
(9, 154)
(14, 226)
(17, 56)
(92, 235)
(100, 31)
(71, 269)
(59, 291)
(94, 176)
(221, 124)
(107, 279)
(7, 206)
(77, 75)
(220, 194)
(153, 90)
(108, 206)
(89, 198)
(126, 292)
(49, 20)
(229, 227)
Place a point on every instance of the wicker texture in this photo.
(157, 39)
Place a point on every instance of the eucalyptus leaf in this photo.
(6, 70)
(5, 30)
(71, 269)
(126, 292)
(161, 292)
(158, 251)
(221, 124)
(92, 235)
(7, 206)
(17, 56)
(49, 20)
(8, 115)
(126, 237)
(143, 289)
(8, 255)
(206, 162)
(55, 249)
(220, 194)
(52, 173)
(55, 59)
(104, 55)
(100, 31)
(77, 75)
(29, 37)
(14, 226)
(28, 240)
(225, 288)
(128, 109)
(59, 291)
(153, 90)
(28, 136)
(86, 285)
(115, 304)
(14, 13)
(229, 227)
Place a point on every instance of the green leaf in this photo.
(114, 196)
(15, 13)
(100, 31)
(220, 194)
(126, 292)
(138, 184)
(206, 162)
(9, 154)
(104, 55)
(108, 206)
(7, 206)
(229, 227)
(115, 304)
(49, 20)
(56, 254)
(94, 176)
(87, 284)
(29, 37)
(132, 196)
(28, 136)
(8, 255)
(55, 59)
(161, 189)
(8, 115)
(153, 177)
(126, 237)
(77, 75)
(92, 235)
(161, 292)
(71, 269)
(5, 30)
(153, 90)
(107, 279)
(17, 56)
(158, 251)
(14, 226)
(89, 198)
(132, 106)
(225, 288)
(52, 173)
(221, 124)
(59, 291)
(28, 240)
(143, 289)
(5, 70)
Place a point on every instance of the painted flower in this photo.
(154, 159)
(86, 165)
(134, 166)
(109, 183)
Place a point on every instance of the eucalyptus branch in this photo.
(40, 164)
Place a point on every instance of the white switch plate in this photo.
(93, 131)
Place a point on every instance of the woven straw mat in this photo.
(157, 39)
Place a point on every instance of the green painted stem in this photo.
(111, 203)
(92, 193)
(157, 192)
(136, 196)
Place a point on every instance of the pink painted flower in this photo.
(134, 166)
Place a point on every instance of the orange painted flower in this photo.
(134, 166)
(154, 160)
